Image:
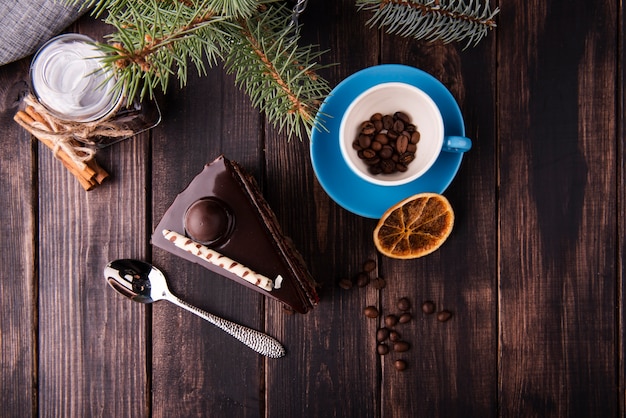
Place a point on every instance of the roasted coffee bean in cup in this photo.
(387, 143)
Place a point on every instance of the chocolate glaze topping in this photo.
(253, 237)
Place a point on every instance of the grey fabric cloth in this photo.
(25, 25)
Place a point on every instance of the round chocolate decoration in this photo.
(208, 220)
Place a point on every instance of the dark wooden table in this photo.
(533, 270)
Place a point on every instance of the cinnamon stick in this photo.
(88, 176)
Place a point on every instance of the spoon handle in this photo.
(258, 341)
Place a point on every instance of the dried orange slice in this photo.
(414, 227)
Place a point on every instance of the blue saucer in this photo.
(349, 190)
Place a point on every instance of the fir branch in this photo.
(234, 8)
(445, 20)
(280, 76)
(152, 43)
(158, 39)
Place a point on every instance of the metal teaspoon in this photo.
(144, 283)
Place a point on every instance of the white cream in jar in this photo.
(69, 79)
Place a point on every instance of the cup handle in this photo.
(456, 144)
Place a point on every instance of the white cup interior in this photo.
(388, 98)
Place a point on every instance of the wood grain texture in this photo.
(621, 215)
(18, 252)
(209, 117)
(533, 270)
(557, 111)
(92, 341)
(333, 345)
(447, 374)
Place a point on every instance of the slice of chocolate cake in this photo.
(222, 222)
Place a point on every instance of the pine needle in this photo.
(445, 20)
(156, 40)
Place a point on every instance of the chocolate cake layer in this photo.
(223, 209)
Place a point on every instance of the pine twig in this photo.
(235, 8)
(158, 39)
(151, 44)
(280, 76)
(445, 20)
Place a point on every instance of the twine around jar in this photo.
(76, 139)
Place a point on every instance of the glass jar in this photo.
(70, 80)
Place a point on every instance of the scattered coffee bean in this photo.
(391, 320)
(345, 284)
(444, 315)
(394, 336)
(428, 307)
(401, 346)
(404, 304)
(369, 266)
(382, 349)
(404, 318)
(371, 312)
(379, 283)
(362, 279)
(382, 334)
(387, 143)
(400, 365)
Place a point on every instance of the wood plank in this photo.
(93, 358)
(538, 310)
(557, 105)
(331, 368)
(621, 214)
(446, 374)
(193, 360)
(18, 251)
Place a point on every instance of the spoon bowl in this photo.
(136, 280)
(144, 283)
